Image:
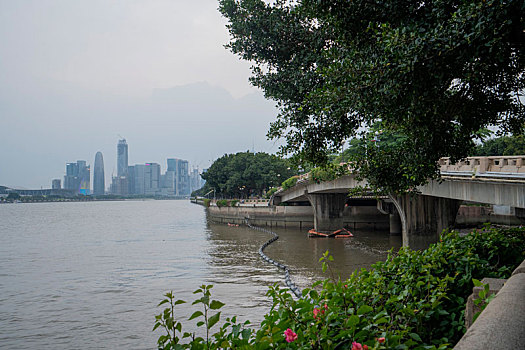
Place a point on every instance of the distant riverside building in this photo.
(56, 184)
(98, 175)
(182, 177)
(195, 180)
(138, 178)
(131, 179)
(119, 183)
(152, 179)
(167, 183)
(122, 158)
(77, 177)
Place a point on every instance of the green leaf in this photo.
(352, 321)
(179, 302)
(416, 337)
(214, 319)
(215, 305)
(245, 334)
(196, 314)
(476, 282)
(381, 320)
(363, 309)
(163, 302)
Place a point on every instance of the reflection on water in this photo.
(237, 246)
(89, 275)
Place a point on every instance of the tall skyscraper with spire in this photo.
(122, 158)
(119, 184)
(98, 175)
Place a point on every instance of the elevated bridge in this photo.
(422, 216)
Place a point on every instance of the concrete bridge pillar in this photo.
(396, 228)
(328, 210)
(423, 218)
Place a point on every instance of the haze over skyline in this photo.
(76, 75)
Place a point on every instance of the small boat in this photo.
(342, 233)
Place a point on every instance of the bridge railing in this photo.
(482, 165)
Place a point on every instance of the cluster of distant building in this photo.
(139, 179)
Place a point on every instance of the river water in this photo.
(90, 275)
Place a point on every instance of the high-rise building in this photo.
(138, 178)
(99, 184)
(119, 183)
(122, 158)
(152, 179)
(182, 177)
(77, 177)
(195, 180)
(55, 184)
(167, 183)
(131, 179)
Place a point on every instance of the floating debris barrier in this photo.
(283, 267)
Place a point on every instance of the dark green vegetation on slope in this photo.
(434, 72)
(414, 300)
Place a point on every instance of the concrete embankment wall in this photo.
(502, 324)
(302, 217)
(475, 215)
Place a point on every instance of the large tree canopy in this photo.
(435, 72)
(243, 174)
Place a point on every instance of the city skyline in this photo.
(82, 85)
(136, 179)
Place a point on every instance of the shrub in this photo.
(270, 192)
(222, 203)
(233, 202)
(288, 183)
(207, 202)
(327, 173)
(413, 300)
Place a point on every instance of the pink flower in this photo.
(290, 335)
(381, 340)
(319, 310)
(358, 346)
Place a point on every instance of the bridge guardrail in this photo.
(485, 165)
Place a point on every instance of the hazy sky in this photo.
(75, 74)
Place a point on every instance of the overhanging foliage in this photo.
(436, 72)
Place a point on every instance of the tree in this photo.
(501, 146)
(435, 72)
(243, 174)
